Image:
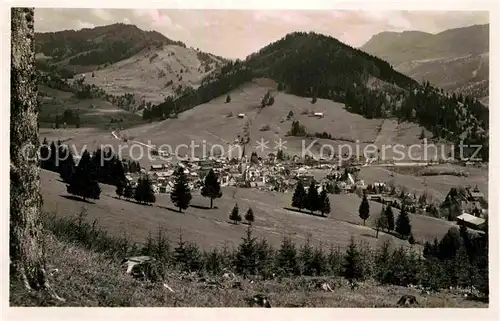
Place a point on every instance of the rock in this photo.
(407, 300)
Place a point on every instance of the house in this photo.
(475, 196)
(471, 221)
(156, 167)
(241, 115)
(319, 115)
(375, 197)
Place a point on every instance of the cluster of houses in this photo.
(267, 173)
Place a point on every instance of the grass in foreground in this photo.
(86, 278)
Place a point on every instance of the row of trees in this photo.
(385, 221)
(311, 200)
(236, 217)
(386, 264)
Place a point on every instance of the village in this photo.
(281, 173)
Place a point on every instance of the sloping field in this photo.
(436, 186)
(93, 112)
(89, 279)
(209, 124)
(212, 228)
(152, 74)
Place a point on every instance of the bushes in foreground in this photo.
(386, 264)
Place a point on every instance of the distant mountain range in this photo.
(456, 60)
(124, 60)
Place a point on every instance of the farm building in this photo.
(156, 167)
(471, 221)
(319, 115)
(241, 115)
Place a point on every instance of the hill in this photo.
(123, 59)
(318, 66)
(60, 108)
(456, 59)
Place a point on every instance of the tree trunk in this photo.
(211, 202)
(377, 233)
(26, 243)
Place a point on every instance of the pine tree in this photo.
(249, 217)
(181, 195)
(82, 183)
(211, 187)
(353, 264)
(325, 202)
(319, 263)
(306, 258)
(389, 215)
(67, 167)
(144, 191)
(128, 192)
(120, 188)
(364, 209)
(382, 263)
(403, 225)
(235, 215)
(246, 255)
(299, 196)
(117, 171)
(312, 200)
(53, 162)
(286, 258)
(381, 222)
(44, 154)
(228, 99)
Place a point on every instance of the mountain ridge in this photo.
(456, 60)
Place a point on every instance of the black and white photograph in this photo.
(249, 158)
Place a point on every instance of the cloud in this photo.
(82, 25)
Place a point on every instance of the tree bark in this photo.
(26, 243)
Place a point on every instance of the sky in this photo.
(238, 33)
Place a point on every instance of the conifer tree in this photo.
(324, 202)
(44, 154)
(389, 215)
(353, 263)
(67, 167)
(211, 187)
(235, 215)
(403, 225)
(246, 255)
(299, 196)
(128, 192)
(306, 258)
(181, 195)
(53, 162)
(144, 191)
(364, 209)
(82, 183)
(312, 200)
(381, 222)
(287, 258)
(228, 99)
(120, 189)
(249, 217)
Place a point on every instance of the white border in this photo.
(253, 314)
